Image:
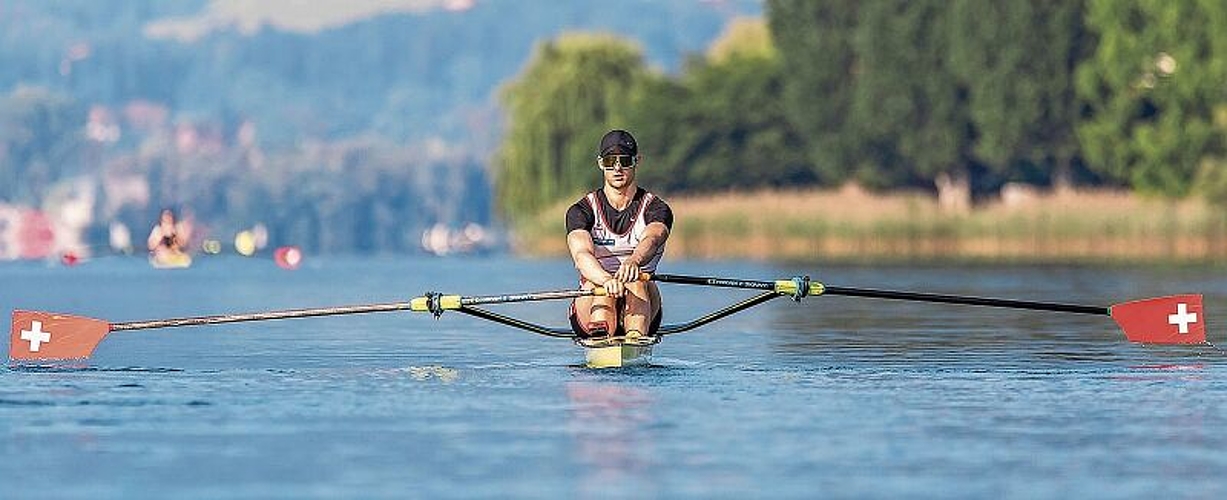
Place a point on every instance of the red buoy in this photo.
(288, 257)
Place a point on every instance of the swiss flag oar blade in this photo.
(1177, 319)
(40, 336)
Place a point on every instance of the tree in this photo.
(908, 102)
(1151, 88)
(572, 91)
(719, 125)
(815, 42)
(1211, 179)
(1016, 60)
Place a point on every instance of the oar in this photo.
(43, 336)
(1175, 319)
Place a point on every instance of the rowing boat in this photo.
(617, 352)
(41, 336)
(617, 356)
(170, 260)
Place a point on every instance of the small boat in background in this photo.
(170, 260)
(167, 240)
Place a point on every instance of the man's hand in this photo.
(627, 272)
(614, 288)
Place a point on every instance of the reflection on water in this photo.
(610, 424)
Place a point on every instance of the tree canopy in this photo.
(1151, 89)
(572, 91)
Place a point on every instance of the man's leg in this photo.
(642, 305)
(600, 310)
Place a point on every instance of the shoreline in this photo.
(853, 226)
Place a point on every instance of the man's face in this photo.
(621, 174)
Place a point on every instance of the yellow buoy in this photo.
(245, 243)
(212, 247)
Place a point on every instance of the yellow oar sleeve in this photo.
(446, 302)
(789, 287)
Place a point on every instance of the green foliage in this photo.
(719, 125)
(747, 37)
(1016, 60)
(1211, 179)
(716, 126)
(906, 100)
(573, 90)
(1156, 76)
(815, 41)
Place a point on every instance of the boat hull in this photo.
(617, 356)
(167, 260)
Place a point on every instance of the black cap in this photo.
(618, 142)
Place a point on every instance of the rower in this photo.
(167, 236)
(614, 234)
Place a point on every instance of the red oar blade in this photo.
(40, 336)
(1177, 319)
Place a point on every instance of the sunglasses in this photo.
(613, 162)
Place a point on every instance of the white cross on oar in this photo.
(35, 335)
(1182, 318)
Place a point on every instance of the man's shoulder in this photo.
(580, 215)
(582, 202)
(583, 199)
(657, 210)
(580, 206)
(656, 198)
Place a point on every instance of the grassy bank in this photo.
(850, 225)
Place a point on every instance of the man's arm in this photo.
(579, 242)
(653, 237)
(155, 238)
(183, 233)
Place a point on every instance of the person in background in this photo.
(168, 236)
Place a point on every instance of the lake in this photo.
(832, 397)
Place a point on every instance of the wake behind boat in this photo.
(41, 336)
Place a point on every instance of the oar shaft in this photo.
(262, 316)
(527, 297)
(966, 300)
(792, 288)
(712, 281)
(419, 305)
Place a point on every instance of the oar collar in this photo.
(434, 303)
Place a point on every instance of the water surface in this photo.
(833, 397)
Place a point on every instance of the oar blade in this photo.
(41, 336)
(1175, 319)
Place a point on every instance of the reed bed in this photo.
(851, 225)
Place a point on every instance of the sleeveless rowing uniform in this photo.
(616, 233)
(611, 247)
